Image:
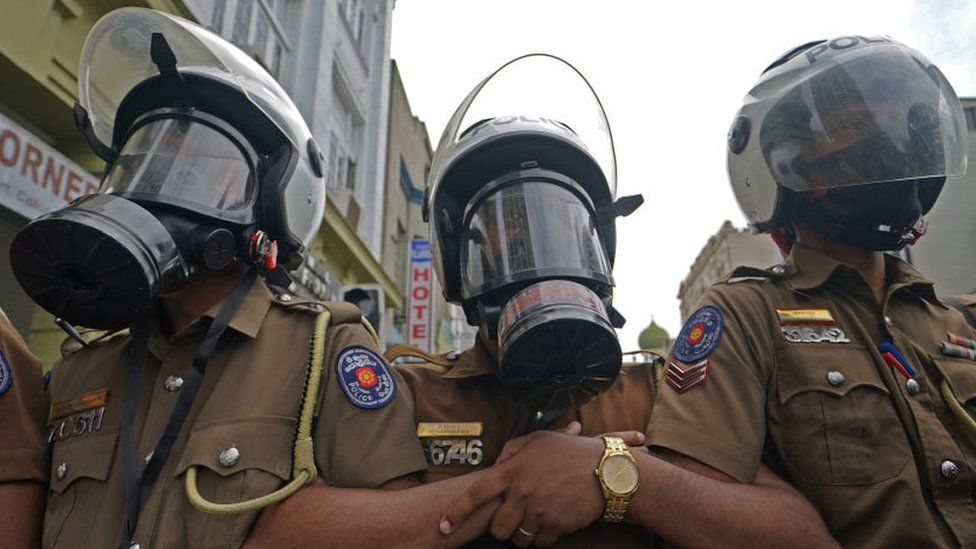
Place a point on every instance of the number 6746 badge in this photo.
(454, 451)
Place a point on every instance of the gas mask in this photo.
(530, 255)
(178, 197)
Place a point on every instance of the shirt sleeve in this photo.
(720, 421)
(23, 453)
(365, 435)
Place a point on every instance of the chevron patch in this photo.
(682, 377)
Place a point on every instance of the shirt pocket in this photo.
(835, 419)
(79, 469)
(961, 375)
(263, 464)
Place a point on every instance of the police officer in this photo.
(830, 368)
(222, 397)
(23, 454)
(521, 210)
(514, 208)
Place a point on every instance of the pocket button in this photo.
(835, 378)
(229, 457)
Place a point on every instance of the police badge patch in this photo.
(365, 378)
(6, 374)
(699, 336)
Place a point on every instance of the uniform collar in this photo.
(808, 268)
(246, 320)
(476, 361)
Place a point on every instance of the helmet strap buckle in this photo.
(264, 250)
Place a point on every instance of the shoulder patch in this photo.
(6, 373)
(365, 378)
(699, 336)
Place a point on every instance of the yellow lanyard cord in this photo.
(957, 408)
(303, 467)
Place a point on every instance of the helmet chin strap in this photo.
(881, 218)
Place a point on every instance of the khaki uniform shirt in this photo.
(249, 399)
(464, 418)
(23, 454)
(796, 379)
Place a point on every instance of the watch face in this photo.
(619, 474)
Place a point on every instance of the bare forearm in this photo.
(324, 516)
(690, 509)
(22, 509)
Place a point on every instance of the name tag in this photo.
(804, 316)
(426, 429)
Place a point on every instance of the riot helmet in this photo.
(854, 136)
(521, 203)
(207, 160)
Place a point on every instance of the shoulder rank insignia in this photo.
(365, 378)
(699, 336)
(682, 377)
(6, 373)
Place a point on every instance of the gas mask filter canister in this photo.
(557, 348)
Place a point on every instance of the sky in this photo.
(671, 77)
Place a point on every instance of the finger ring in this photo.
(525, 532)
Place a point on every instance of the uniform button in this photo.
(887, 321)
(949, 470)
(778, 269)
(135, 545)
(229, 457)
(61, 470)
(835, 378)
(912, 387)
(173, 383)
(284, 297)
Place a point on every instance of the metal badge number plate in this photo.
(814, 334)
(454, 451)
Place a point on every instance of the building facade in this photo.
(725, 250)
(947, 252)
(408, 161)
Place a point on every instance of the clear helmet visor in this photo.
(186, 164)
(530, 230)
(544, 89)
(872, 115)
(116, 57)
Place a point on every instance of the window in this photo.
(351, 12)
(242, 21)
(217, 19)
(258, 25)
(970, 118)
(348, 133)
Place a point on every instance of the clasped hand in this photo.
(546, 483)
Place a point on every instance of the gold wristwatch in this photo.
(618, 478)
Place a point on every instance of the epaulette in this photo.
(91, 338)
(649, 356)
(401, 350)
(754, 274)
(342, 312)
